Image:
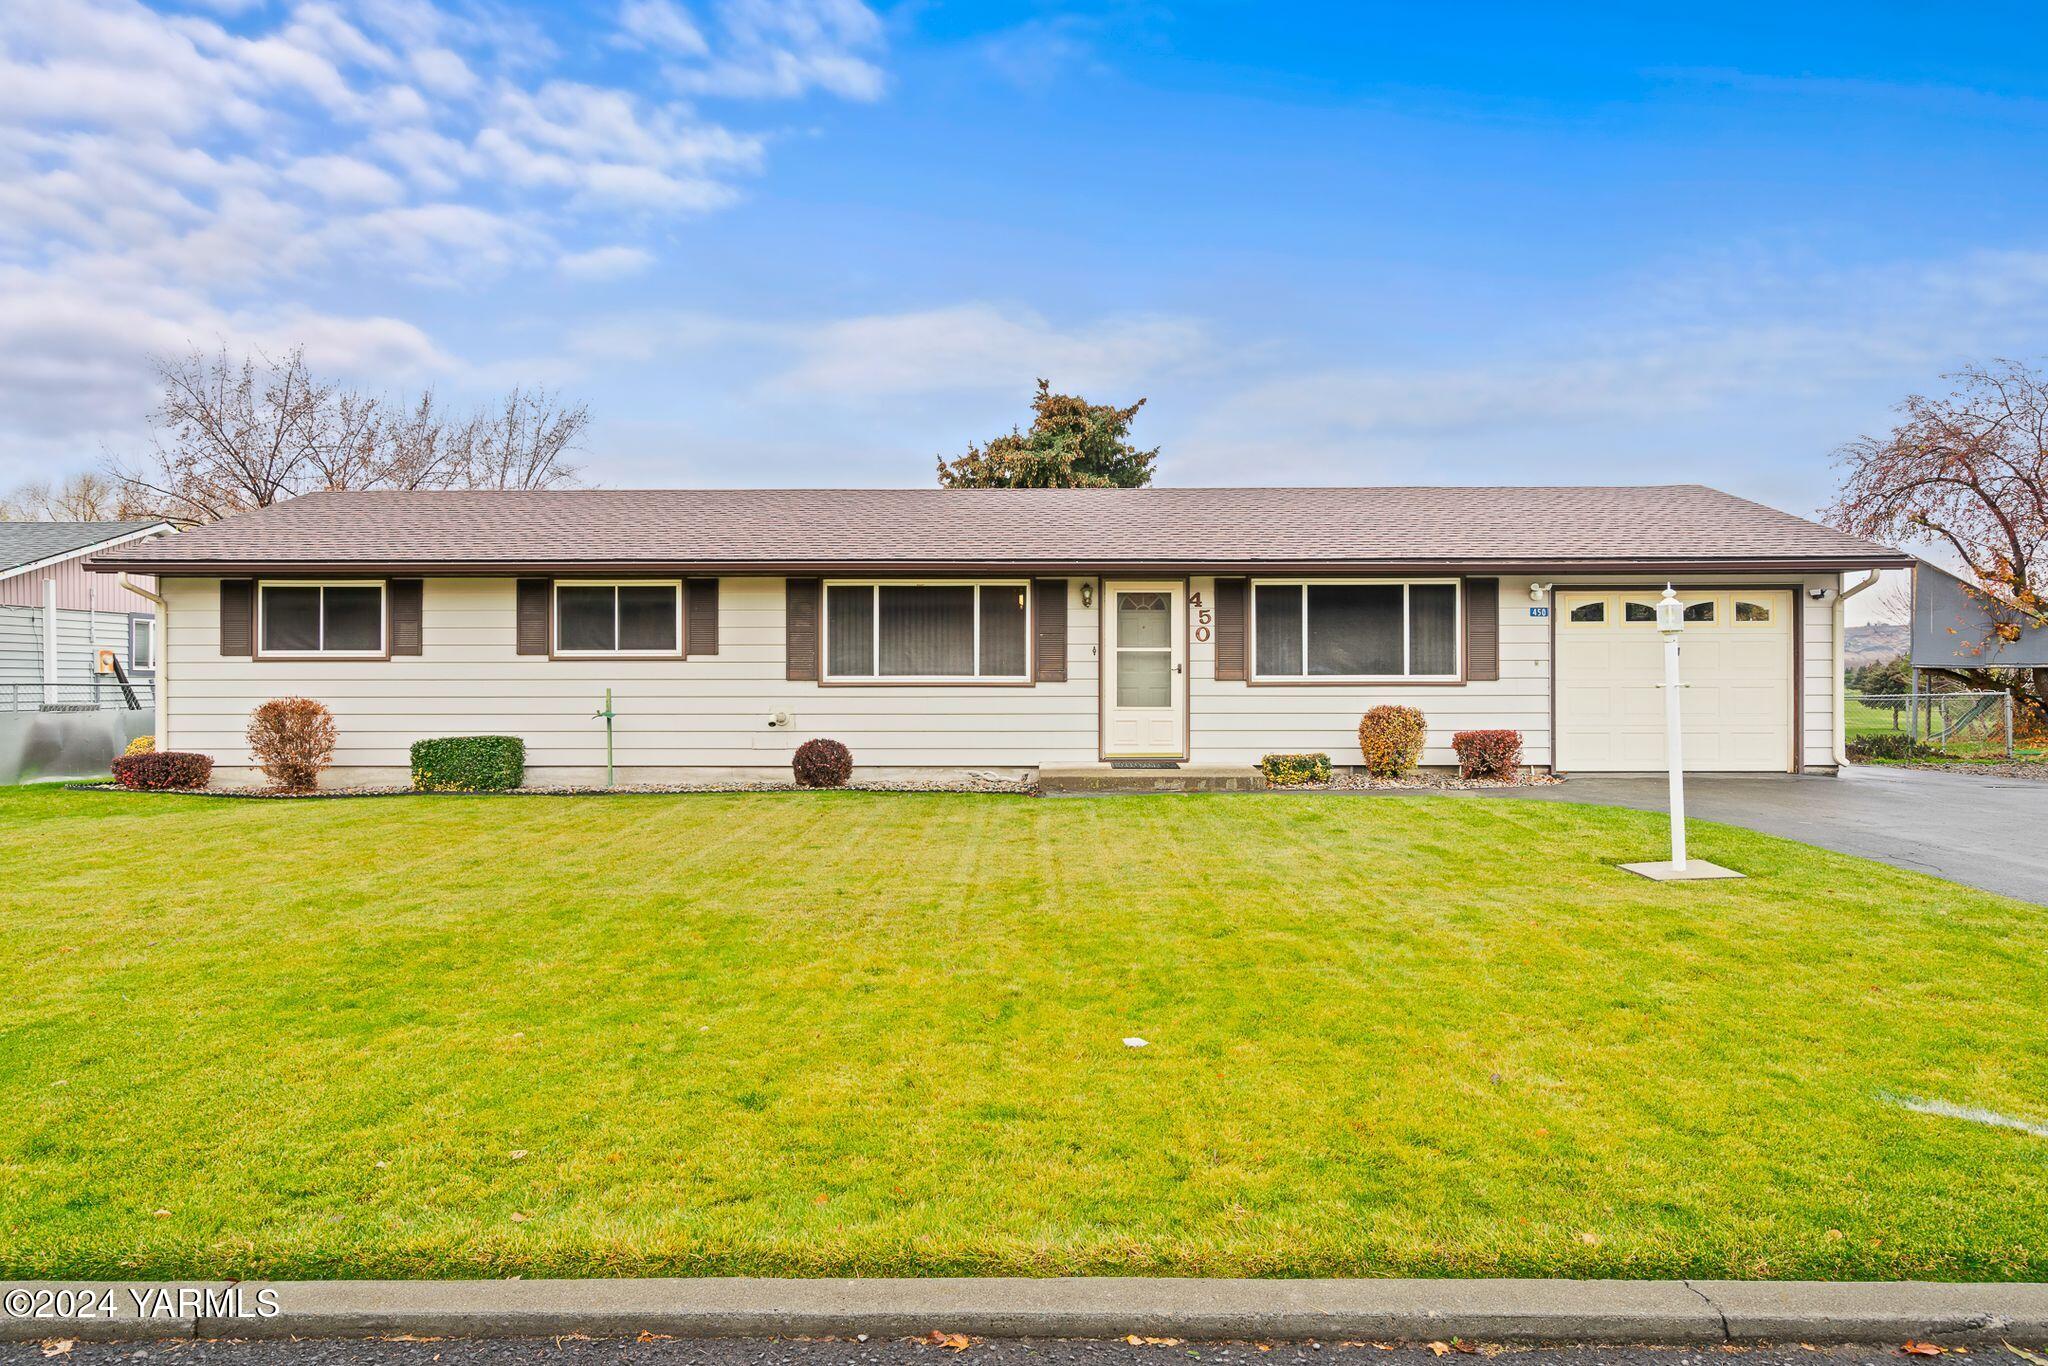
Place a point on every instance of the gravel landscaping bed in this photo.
(1421, 782)
(2014, 768)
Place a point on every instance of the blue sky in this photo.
(820, 242)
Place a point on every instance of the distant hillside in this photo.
(1877, 642)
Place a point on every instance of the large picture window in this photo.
(321, 619)
(1367, 630)
(925, 632)
(625, 618)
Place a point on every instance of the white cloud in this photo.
(661, 24)
(346, 180)
(982, 347)
(605, 263)
(1717, 346)
(972, 349)
(775, 49)
(166, 176)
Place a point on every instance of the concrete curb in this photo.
(1535, 1311)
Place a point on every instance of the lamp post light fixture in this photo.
(1670, 625)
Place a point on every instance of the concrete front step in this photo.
(1103, 781)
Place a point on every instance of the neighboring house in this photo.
(1956, 627)
(55, 617)
(1003, 630)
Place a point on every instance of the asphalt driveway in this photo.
(1983, 832)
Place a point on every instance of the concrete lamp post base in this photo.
(1695, 870)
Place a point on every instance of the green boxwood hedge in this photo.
(469, 763)
(1295, 770)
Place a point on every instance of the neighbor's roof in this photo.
(781, 530)
(37, 543)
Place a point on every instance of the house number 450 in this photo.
(1202, 617)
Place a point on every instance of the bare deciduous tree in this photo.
(1967, 473)
(232, 435)
(84, 497)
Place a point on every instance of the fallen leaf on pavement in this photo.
(56, 1347)
(2024, 1355)
(1137, 1341)
(956, 1341)
(1921, 1349)
(646, 1336)
(1439, 1348)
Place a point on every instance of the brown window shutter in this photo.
(700, 617)
(800, 628)
(404, 598)
(237, 617)
(1229, 609)
(533, 616)
(1049, 615)
(1482, 630)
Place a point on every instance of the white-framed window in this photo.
(141, 645)
(959, 631)
(619, 617)
(346, 618)
(1750, 612)
(1357, 630)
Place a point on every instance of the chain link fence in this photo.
(1965, 724)
(98, 695)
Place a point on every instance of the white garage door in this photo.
(1735, 659)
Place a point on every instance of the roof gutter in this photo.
(782, 568)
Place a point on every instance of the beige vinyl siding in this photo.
(709, 712)
(80, 638)
(1236, 723)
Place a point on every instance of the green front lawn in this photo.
(868, 1034)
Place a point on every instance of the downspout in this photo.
(160, 724)
(1841, 658)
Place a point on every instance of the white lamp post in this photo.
(1670, 623)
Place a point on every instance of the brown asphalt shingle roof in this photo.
(775, 529)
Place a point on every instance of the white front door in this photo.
(1735, 659)
(1144, 669)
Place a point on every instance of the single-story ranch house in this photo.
(1003, 630)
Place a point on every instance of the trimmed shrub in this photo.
(1295, 770)
(469, 763)
(1488, 753)
(141, 744)
(1890, 746)
(1391, 739)
(293, 739)
(822, 763)
(166, 770)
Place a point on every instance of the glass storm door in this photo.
(1144, 692)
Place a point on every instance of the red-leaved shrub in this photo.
(164, 770)
(293, 738)
(1488, 753)
(1391, 739)
(822, 763)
